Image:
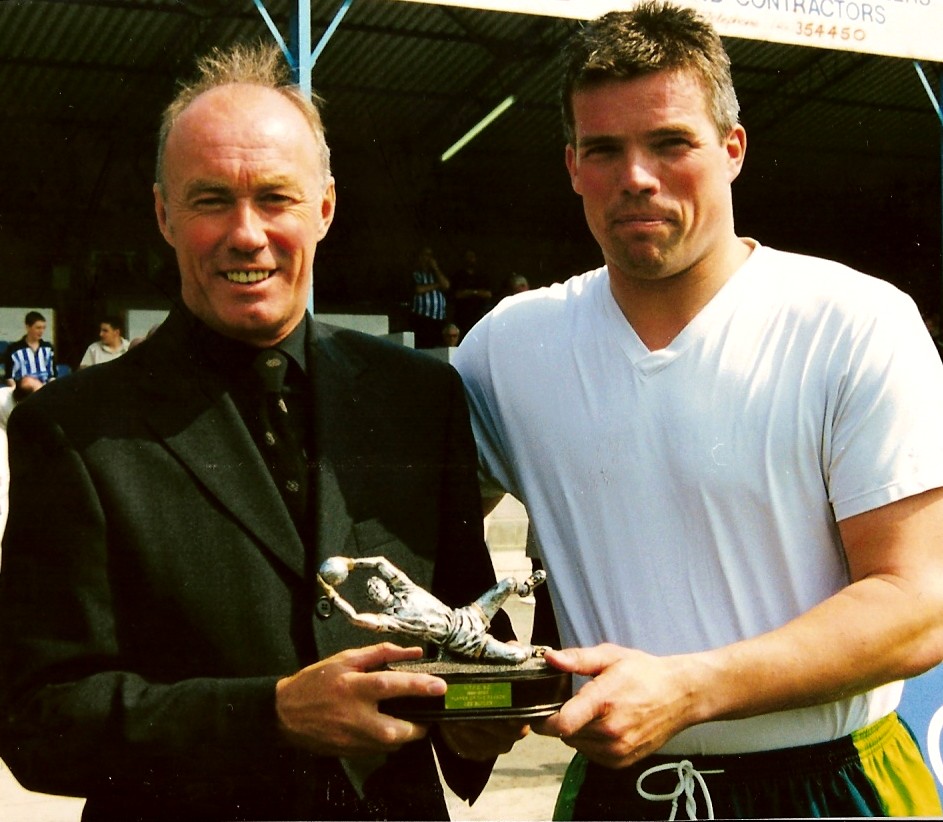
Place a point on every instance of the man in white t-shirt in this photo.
(732, 459)
(111, 343)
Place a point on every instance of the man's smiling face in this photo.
(244, 201)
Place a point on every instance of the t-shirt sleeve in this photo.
(885, 412)
(472, 360)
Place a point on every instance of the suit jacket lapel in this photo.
(336, 377)
(353, 434)
(199, 423)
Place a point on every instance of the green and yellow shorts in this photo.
(876, 771)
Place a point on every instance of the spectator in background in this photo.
(932, 322)
(428, 306)
(515, 284)
(471, 293)
(111, 343)
(451, 334)
(10, 397)
(30, 356)
(138, 340)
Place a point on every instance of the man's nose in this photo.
(247, 232)
(639, 173)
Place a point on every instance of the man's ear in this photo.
(736, 150)
(163, 221)
(572, 166)
(328, 205)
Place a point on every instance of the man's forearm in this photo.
(873, 632)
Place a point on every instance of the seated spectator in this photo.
(10, 396)
(471, 292)
(13, 394)
(111, 343)
(428, 306)
(451, 334)
(30, 356)
(515, 284)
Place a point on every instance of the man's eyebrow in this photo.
(598, 140)
(672, 131)
(198, 187)
(678, 130)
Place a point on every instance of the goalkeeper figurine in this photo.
(410, 610)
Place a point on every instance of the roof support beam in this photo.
(936, 100)
(930, 92)
(301, 57)
(299, 53)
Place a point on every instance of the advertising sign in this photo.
(893, 28)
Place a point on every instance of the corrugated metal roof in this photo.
(82, 84)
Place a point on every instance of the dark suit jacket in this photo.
(143, 626)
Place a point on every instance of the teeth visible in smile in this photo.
(247, 276)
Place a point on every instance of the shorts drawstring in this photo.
(687, 774)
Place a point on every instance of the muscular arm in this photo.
(885, 625)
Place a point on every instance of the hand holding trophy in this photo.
(487, 678)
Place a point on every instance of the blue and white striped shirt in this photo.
(432, 303)
(23, 361)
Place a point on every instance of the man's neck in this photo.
(660, 309)
(228, 352)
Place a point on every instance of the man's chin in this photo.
(647, 265)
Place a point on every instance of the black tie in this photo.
(281, 447)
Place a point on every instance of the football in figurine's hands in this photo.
(334, 570)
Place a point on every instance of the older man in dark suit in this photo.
(163, 650)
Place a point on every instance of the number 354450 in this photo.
(823, 32)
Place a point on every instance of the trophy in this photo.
(486, 678)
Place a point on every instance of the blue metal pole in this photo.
(301, 44)
(301, 57)
(329, 31)
(276, 34)
(937, 104)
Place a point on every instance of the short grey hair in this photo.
(259, 64)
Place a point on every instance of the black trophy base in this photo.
(478, 690)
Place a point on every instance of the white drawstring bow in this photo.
(687, 775)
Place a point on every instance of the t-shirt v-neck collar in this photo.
(648, 362)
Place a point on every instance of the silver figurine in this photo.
(408, 609)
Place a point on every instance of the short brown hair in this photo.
(654, 36)
(259, 64)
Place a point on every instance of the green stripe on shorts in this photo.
(570, 788)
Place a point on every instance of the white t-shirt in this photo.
(98, 353)
(687, 498)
